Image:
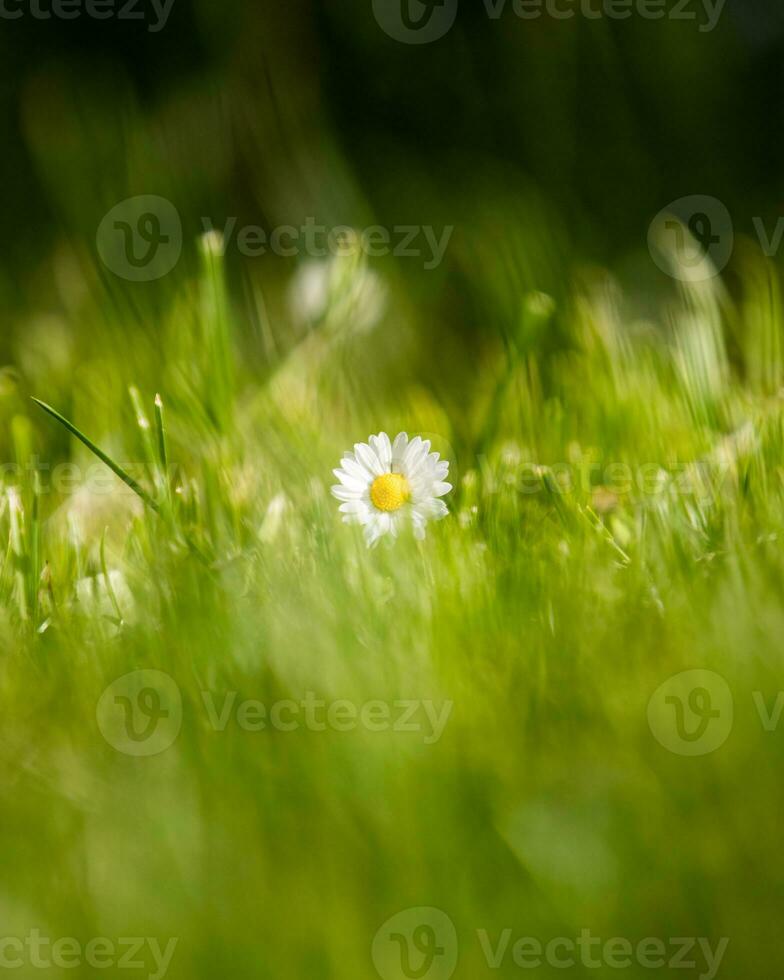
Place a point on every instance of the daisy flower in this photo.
(386, 486)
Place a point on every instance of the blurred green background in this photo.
(545, 349)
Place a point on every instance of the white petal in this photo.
(438, 509)
(417, 462)
(355, 469)
(432, 509)
(368, 458)
(423, 479)
(362, 517)
(374, 529)
(344, 493)
(383, 449)
(398, 450)
(349, 481)
(419, 529)
(439, 489)
(353, 507)
(412, 453)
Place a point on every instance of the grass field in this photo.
(322, 735)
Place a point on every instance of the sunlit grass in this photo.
(616, 518)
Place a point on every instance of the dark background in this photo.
(581, 130)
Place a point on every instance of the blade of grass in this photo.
(114, 467)
(161, 431)
(16, 541)
(144, 425)
(35, 542)
(120, 472)
(107, 578)
(162, 467)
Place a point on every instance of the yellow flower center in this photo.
(390, 491)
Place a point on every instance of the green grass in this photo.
(548, 607)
